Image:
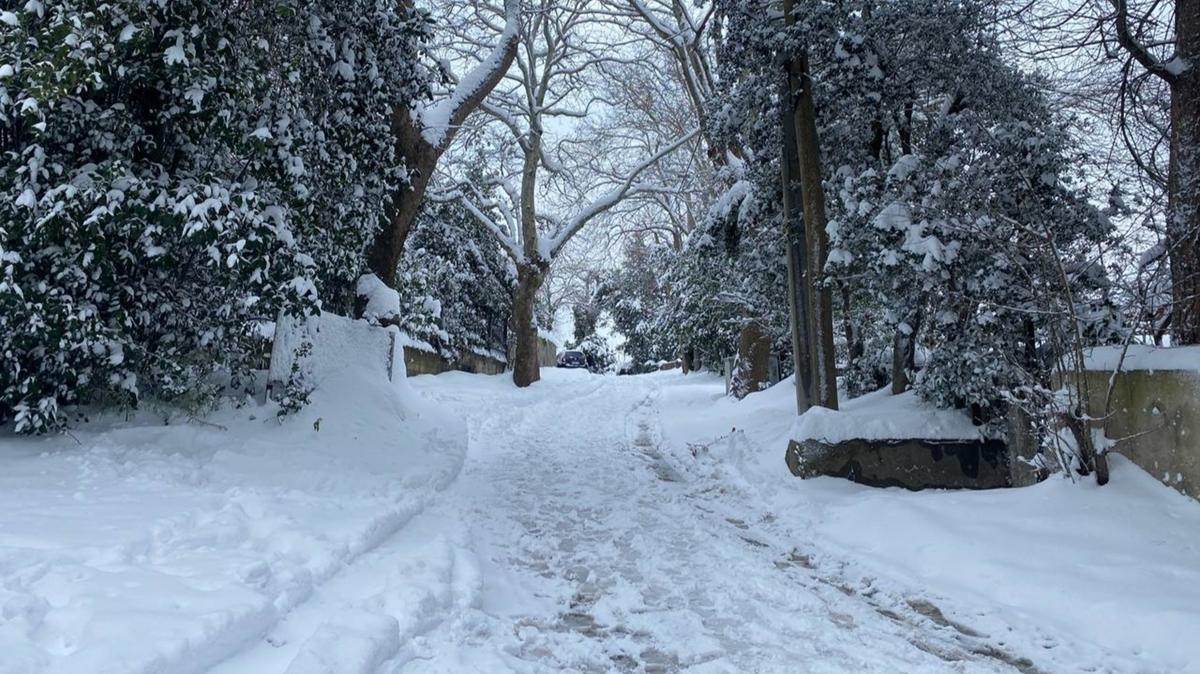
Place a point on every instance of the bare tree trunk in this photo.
(904, 353)
(526, 368)
(1183, 178)
(798, 285)
(854, 342)
(420, 158)
(531, 272)
(822, 355)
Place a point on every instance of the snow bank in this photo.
(881, 416)
(1143, 357)
(133, 546)
(1059, 572)
(1116, 566)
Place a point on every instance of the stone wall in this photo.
(1155, 417)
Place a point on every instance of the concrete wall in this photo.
(912, 463)
(547, 352)
(417, 361)
(1156, 420)
(473, 362)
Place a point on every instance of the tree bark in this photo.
(1183, 178)
(797, 276)
(822, 354)
(754, 360)
(526, 365)
(420, 158)
(854, 342)
(531, 271)
(685, 359)
(904, 353)
(793, 219)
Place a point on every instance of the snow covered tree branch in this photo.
(424, 134)
(611, 198)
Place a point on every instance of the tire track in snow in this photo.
(642, 563)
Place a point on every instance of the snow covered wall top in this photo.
(882, 416)
(1143, 357)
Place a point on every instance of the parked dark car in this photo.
(572, 359)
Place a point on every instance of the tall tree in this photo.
(1181, 72)
(1133, 68)
(167, 183)
(818, 311)
(560, 47)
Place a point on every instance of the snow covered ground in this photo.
(594, 524)
(1068, 576)
(131, 546)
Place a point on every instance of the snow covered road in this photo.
(596, 548)
(594, 524)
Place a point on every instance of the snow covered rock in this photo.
(886, 440)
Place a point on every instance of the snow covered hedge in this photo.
(455, 284)
(172, 173)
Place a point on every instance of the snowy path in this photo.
(584, 534)
(598, 550)
(589, 524)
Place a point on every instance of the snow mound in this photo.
(1079, 563)
(135, 546)
(382, 301)
(883, 416)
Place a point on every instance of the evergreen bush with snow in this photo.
(956, 218)
(172, 174)
(455, 284)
